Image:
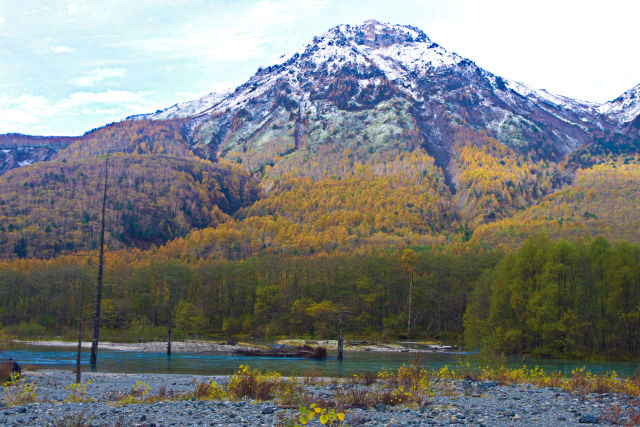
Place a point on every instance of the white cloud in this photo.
(38, 112)
(48, 45)
(117, 97)
(74, 7)
(240, 38)
(24, 109)
(2, 21)
(97, 76)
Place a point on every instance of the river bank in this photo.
(197, 346)
(452, 402)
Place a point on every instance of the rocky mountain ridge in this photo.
(427, 93)
(376, 90)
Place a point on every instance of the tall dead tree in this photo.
(80, 332)
(96, 323)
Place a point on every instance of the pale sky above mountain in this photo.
(71, 65)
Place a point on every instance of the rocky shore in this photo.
(197, 346)
(466, 402)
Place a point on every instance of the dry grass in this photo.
(79, 420)
(313, 377)
(625, 416)
(366, 378)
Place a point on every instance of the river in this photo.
(221, 364)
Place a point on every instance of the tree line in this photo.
(549, 298)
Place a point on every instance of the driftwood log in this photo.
(304, 351)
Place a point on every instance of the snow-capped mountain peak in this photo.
(373, 51)
(624, 108)
(376, 88)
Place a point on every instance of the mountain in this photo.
(17, 150)
(184, 109)
(625, 108)
(379, 89)
(370, 135)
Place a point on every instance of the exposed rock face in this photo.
(22, 150)
(376, 90)
(380, 89)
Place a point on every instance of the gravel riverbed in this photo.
(475, 403)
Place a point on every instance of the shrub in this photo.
(78, 393)
(79, 420)
(30, 329)
(19, 392)
(291, 392)
(209, 391)
(252, 383)
(321, 415)
(139, 394)
(366, 378)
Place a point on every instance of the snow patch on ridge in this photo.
(184, 109)
(625, 108)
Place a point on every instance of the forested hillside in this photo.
(559, 298)
(54, 207)
(603, 200)
(139, 137)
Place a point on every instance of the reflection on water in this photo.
(219, 364)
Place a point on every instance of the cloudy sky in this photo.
(67, 66)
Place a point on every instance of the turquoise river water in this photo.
(220, 364)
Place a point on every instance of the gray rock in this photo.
(588, 419)
(487, 384)
(381, 407)
(268, 410)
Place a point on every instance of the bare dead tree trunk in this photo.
(80, 331)
(169, 337)
(96, 323)
(410, 295)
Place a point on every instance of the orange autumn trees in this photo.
(603, 200)
(401, 201)
(51, 208)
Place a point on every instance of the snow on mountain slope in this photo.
(399, 52)
(184, 109)
(377, 90)
(358, 68)
(624, 108)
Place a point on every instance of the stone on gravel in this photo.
(588, 419)
(487, 384)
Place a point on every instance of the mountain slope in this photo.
(604, 200)
(184, 109)
(327, 127)
(54, 207)
(18, 150)
(625, 108)
(381, 89)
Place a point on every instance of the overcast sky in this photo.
(68, 66)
